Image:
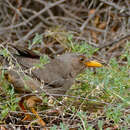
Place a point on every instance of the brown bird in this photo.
(55, 78)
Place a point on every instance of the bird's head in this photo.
(78, 62)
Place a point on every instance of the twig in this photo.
(122, 9)
(115, 41)
(29, 33)
(91, 16)
(32, 17)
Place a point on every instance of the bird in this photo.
(54, 78)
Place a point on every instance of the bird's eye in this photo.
(81, 59)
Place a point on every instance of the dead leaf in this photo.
(92, 11)
(102, 25)
(96, 21)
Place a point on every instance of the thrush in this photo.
(54, 78)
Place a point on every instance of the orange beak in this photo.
(93, 64)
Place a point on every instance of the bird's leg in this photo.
(38, 117)
(31, 103)
(27, 116)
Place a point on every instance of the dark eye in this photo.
(81, 58)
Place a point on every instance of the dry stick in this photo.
(42, 18)
(49, 11)
(95, 29)
(115, 41)
(91, 16)
(15, 125)
(112, 4)
(107, 25)
(16, 10)
(115, 46)
(62, 95)
(32, 17)
(128, 4)
(122, 9)
(86, 22)
(69, 13)
(52, 17)
(29, 33)
(64, 18)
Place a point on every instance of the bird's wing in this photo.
(22, 83)
(55, 84)
(25, 52)
(26, 62)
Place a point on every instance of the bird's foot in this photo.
(27, 118)
(41, 122)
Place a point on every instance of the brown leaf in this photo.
(94, 36)
(96, 20)
(102, 25)
(92, 11)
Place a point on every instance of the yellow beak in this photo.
(93, 64)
